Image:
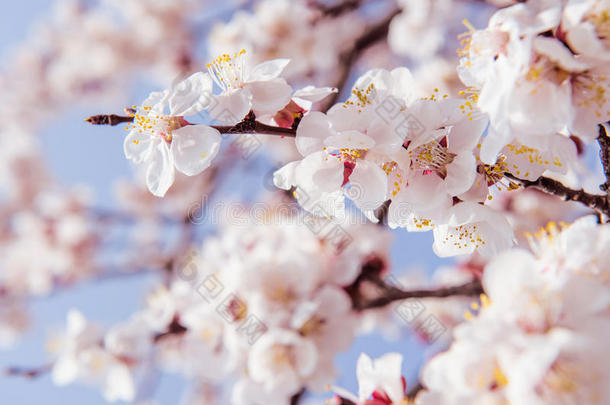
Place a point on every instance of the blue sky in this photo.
(79, 153)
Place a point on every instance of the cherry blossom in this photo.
(244, 88)
(513, 60)
(167, 142)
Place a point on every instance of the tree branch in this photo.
(599, 203)
(296, 398)
(248, 125)
(335, 10)
(603, 139)
(108, 119)
(414, 391)
(27, 372)
(348, 58)
(389, 293)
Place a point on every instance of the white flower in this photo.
(167, 141)
(344, 150)
(586, 25)
(531, 84)
(439, 163)
(281, 360)
(259, 89)
(382, 377)
(301, 103)
(473, 227)
(81, 356)
(538, 335)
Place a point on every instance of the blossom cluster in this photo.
(165, 141)
(539, 332)
(266, 304)
(535, 336)
(540, 71)
(420, 155)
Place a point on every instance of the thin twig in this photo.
(347, 59)
(389, 293)
(603, 139)
(335, 10)
(296, 398)
(28, 372)
(108, 119)
(381, 213)
(414, 391)
(248, 125)
(599, 203)
(173, 329)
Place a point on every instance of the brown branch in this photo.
(296, 398)
(248, 125)
(599, 203)
(381, 213)
(414, 391)
(335, 10)
(603, 140)
(389, 293)
(27, 372)
(174, 328)
(347, 59)
(108, 119)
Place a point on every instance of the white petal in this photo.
(191, 95)
(137, 146)
(65, 371)
(119, 384)
(269, 97)
(344, 117)
(404, 85)
(312, 93)
(492, 144)
(231, 107)
(465, 135)
(160, 172)
(306, 96)
(559, 53)
(285, 177)
(268, 70)
(350, 140)
(157, 100)
(368, 185)
(193, 148)
(320, 171)
(364, 371)
(311, 132)
(461, 174)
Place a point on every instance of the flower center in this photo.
(227, 71)
(544, 68)
(313, 325)
(282, 355)
(464, 236)
(591, 90)
(431, 157)
(155, 124)
(601, 22)
(363, 97)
